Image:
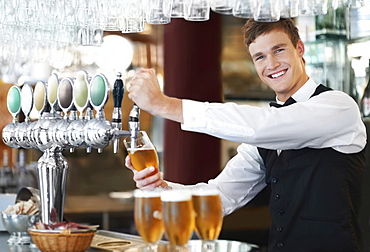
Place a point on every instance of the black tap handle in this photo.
(118, 91)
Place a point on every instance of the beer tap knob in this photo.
(40, 134)
(14, 107)
(134, 123)
(65, 101)
(97, 131)
(27, 104)
(81, 101)
(118, 91)
(52, 94)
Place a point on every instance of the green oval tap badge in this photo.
(14, 100)
(97, 90)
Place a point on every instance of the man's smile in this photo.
(277, 74)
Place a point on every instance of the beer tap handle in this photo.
(40, 98)
(65, 101)
(118, 91)
(81, 92)
(14, 101)
(14, 107)
(99, 95)
(134, 123)
(27, 101)
(65, 96)
(52, 93)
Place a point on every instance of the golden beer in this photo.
(178, 216)
(142, 152)
(148, 215)
(208, 215)
(143, 158)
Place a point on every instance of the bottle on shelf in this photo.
(7, 181)
(365, 101)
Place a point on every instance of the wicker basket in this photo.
(62, 241)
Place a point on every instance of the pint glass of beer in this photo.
(208, 215)
(178, 217)
(148, 215)
(142, 153)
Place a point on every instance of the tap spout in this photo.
(134, 124)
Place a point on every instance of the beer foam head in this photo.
(176, 195)
(205, 191)
(138, 193)
(133, 150)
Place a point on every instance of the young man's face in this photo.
(278, 63)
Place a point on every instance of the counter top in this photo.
(117, 242)
(101, 236)
(5, 247)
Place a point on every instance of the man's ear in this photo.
(300, 48)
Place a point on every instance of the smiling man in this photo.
(309, 146)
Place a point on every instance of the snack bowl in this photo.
(17, 225)
(65, 240)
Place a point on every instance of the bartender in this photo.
(309, 145)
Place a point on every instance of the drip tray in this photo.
(113, 241)
(105, 241)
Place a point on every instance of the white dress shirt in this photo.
(328, 120)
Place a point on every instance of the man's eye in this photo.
(259, 58)
(279, 50)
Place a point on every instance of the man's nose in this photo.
(272, 62)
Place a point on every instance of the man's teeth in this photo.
(277, 74)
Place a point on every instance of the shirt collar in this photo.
(304, 93)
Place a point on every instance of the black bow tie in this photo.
(287, 103)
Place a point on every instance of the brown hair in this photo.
(253, 29)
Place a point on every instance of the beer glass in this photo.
(142, 153)
(131, 18)
(148, 216)
(208, 216)
(244, 8)
(196, 10)
(158, 11)
(178, 217)
(267, 11)
(177, 9)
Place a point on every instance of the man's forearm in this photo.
(170, 109)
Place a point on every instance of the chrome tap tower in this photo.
(66, 121)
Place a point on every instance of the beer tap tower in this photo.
(66, 121)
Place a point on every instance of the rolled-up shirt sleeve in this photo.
(315, 123)
(240, 181)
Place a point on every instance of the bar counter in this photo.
(131, 243)
(124, 241)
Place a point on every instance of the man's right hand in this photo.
(144, 90)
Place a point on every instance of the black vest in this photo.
(315, 196)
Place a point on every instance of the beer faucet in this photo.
(26, 105)
(58, 104)
(118, 91)
(52, 94)
(14, 107)
(75, 129)
(65, 100)
(134, 124)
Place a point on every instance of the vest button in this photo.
(280, 245)
(279, 229)
(273, 180)
(281, 212)
(277, 196)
